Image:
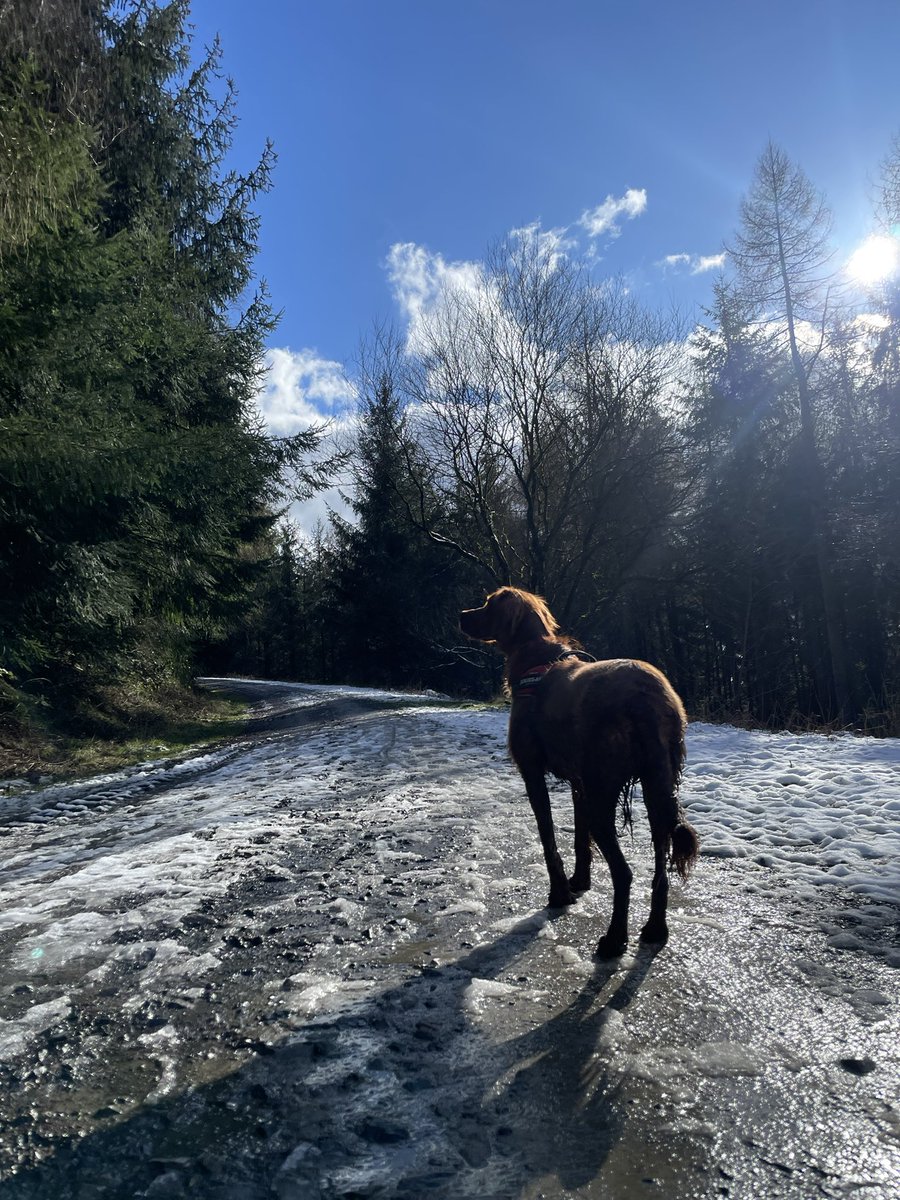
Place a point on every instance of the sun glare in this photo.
(875, 259)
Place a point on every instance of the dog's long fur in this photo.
(602, 726)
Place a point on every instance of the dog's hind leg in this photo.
(671, 832)
(539, 798)
(581, 879)
(656, 929)
(602, 809)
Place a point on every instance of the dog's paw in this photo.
(655, 932)
(580, 883)
(560, 897)
(611, 946)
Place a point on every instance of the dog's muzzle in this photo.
(471, 622)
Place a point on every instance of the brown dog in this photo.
(602, 726)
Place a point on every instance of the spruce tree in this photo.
(137, 477)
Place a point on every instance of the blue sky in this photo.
(412, 133)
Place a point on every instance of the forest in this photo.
(720, 497)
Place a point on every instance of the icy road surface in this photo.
(316, 964)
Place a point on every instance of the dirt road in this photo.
(317, 965)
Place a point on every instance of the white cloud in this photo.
(603, 218)
(675, 260)
(419, 277)
(708, 262)
(697, 264)
(301, 389)
(424, 283)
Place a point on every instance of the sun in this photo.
(875, 259)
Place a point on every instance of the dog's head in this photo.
(509, 617)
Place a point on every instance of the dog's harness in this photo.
(524, 688)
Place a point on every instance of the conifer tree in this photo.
(391, 588)
(137, 476)
(781, 256)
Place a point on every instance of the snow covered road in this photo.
(316, 964)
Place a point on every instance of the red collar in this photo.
(526, 685)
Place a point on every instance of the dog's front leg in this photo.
(539, 797)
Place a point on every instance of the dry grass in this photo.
(120, 728)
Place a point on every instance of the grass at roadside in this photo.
(125, 726)
(120, 729)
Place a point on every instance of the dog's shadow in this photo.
(556, 1095)
(467, 1111)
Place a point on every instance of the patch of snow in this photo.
(817, 808)
(480, 991)
(315, 995)
(16, 1035)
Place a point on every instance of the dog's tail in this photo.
(685, 846)
(664, 758)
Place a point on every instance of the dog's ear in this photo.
(518, 616)
(541, 613)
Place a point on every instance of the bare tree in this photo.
(538, 399)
